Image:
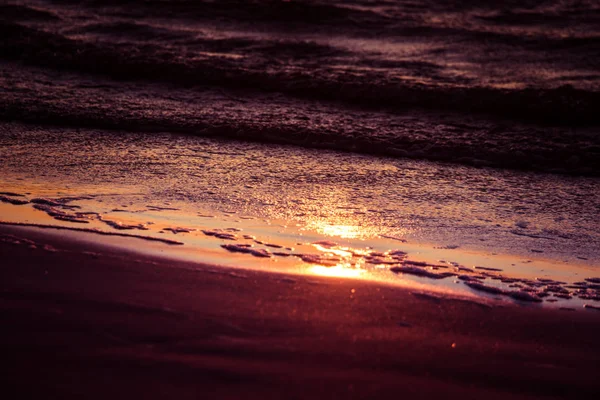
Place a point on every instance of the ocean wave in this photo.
(557, 18)
(372, 89)
(374, 77)
(281, 120)
(117, 29)
(253, 11)
(20, 12)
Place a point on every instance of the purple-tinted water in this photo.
(473, 83)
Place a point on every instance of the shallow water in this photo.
(206, 193)
(333, 193)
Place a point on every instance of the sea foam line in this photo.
(99, 232)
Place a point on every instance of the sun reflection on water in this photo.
(341, 252)
(342, 227)
(342, 231)
(338, 271)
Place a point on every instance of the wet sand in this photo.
(91, 321)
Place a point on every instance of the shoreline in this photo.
(100, 313)
(235, 240)
(422, 202)
(421, 271)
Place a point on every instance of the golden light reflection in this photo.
(338, 251)
(338, 271)
(342, 231)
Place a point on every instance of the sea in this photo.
(468, 126)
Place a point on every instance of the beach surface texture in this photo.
(90, 321)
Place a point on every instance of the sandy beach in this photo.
(92, 321)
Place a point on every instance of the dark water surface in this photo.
(470, 82)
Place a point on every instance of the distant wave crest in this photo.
(562, 105)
